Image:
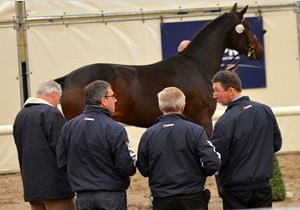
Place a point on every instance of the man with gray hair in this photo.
(36, 131)
(96, 151)
(177, 157)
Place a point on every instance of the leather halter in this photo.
(252, 44)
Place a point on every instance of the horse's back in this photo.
(89, 73)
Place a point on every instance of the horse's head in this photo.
(241, 37)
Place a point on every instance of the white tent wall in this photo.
(55, 50)
(9, 85)
(7, 10)
(10, 96)
(47, 8)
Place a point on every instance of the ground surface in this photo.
(11, 193)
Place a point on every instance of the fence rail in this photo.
(278, 111)
(6, 130)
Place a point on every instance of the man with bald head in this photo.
(183, 45)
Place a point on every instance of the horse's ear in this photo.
(241, 13)
(234, 7)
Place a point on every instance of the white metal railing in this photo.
(6, 130)
(278, 111)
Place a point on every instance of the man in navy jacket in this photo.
(247, 136)
(177, 156)
(36, 132)
(95, 149)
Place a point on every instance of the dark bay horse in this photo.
(190, 70)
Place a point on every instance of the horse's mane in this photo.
(225, 19)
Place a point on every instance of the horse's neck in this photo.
(207, 48)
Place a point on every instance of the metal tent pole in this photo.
(24, 79)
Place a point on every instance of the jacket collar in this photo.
(34, 100)
(95, 108)
(171, 116)
(237, 101)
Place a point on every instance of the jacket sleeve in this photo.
(276, 135)
(277, 140)
(123, 154)
(61, 153)
(143, 157)
(209, 157)
(221, 139)
(53, 125)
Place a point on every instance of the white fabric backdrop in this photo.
(57, 50)
(10, 96)
(58, 7)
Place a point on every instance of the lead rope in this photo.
(233, 67)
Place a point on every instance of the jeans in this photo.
(101, 200)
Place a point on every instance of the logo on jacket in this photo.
(168, 125)
(88, 119)
(247, 107)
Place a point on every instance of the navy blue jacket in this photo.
(95, 150)
(36, 132)
(176, 156)
(247, 136)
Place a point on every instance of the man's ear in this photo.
(53, 93)
(230, 89)
(183, 106)
(102, 101)
(161, 110)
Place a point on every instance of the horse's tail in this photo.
(61, 81)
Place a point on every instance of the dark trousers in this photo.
(199, 202)
(245, 199)
(101, 200)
